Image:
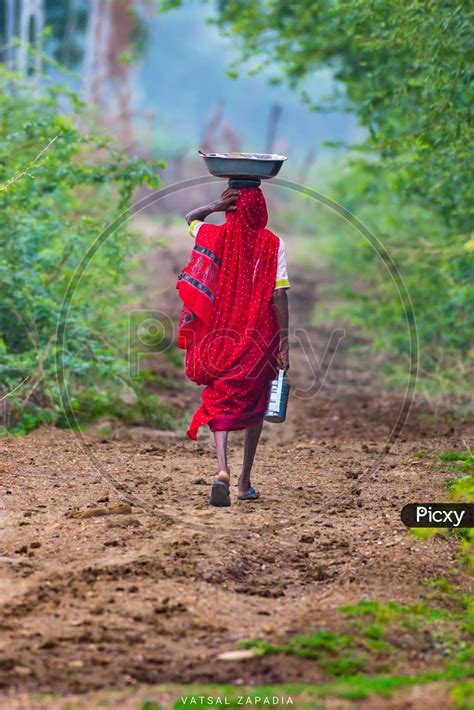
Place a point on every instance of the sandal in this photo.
(251, 494)
(220, 496)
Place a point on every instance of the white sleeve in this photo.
(281, 280)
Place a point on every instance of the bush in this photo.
(61, 329)
(404, 70)
(434, 265)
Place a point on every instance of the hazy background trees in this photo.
(407, 73)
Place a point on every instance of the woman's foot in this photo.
(249, 494)
(223, 476)
(220, 494)
(245, 490)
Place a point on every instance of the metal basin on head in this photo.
(243, 166)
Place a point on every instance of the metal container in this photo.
(244, 166)
(278, 399)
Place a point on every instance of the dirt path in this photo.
(97, 593)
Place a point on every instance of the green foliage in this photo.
(379, 616)
(439, 625)
(463, 695)
(405, 70)
(305, 696)
(461, 490)
(428, 261)
(331, 650)
(458, 461)
(66, 24)
(63, 325)
(382, 613)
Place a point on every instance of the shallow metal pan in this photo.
(260, 166)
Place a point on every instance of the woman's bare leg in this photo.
(221, 446)
(252, 436)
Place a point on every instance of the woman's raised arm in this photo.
(226, 203)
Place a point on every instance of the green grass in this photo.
(380, 638)
(333, 651)
(441, 585)
(374, 632)
(459, 465)
(465, 456)
(461, 490)
(463, 695)
(458, 462)
(305, 696)
(356, 687)
(455, 676)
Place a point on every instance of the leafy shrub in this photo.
(432, 263)
(63, 326)
(461, 490)
(404, 70)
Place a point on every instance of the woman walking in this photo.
(234, 325)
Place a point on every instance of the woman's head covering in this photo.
(251, 209)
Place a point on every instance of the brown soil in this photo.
(116, 572)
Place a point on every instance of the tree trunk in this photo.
(24, 36)
(69, 31)
(123, 21)
(9, 34)
(38, 19)
(108, 79)
(96, 70)
(30, 28)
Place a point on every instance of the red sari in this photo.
(227, 324)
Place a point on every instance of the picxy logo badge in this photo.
(438, 515)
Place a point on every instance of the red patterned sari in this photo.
(227, 324)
